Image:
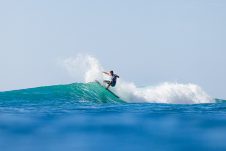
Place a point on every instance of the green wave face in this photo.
(73, 93)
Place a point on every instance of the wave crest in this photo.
(164, 93)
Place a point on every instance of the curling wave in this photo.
(60, 94)
(94, 93)
(90, 69)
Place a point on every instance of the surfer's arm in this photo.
(106, 73)
(117, 76)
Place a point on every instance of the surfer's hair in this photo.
(112, 72)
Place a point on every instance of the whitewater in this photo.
(90, 68)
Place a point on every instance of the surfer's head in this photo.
(111, 72)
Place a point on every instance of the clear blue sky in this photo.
(145, 41)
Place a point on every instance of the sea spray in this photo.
(84, 66)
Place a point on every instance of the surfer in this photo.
(113, 80)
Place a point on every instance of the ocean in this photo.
(86, 117)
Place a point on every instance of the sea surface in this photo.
(86, 117)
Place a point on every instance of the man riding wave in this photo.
(113, 78)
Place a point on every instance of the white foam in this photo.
(163, 93)
(176, 93)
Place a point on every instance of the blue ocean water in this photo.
(86, 117)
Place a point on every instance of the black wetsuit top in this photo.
(113, 79)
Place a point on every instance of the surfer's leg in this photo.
(108, 85)
(106, 81)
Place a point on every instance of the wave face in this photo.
(86, 93)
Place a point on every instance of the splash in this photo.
(84, 66)
(177, 93)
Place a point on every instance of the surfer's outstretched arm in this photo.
(106, 73)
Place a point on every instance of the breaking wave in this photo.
(91, 69)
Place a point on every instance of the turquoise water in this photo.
(87, 117)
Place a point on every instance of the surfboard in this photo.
(106, 89)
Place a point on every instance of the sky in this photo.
(145, 41)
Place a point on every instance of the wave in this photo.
(220, 101)
(74, 93)
(90, 69)
(90, 92)
(93, 93)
